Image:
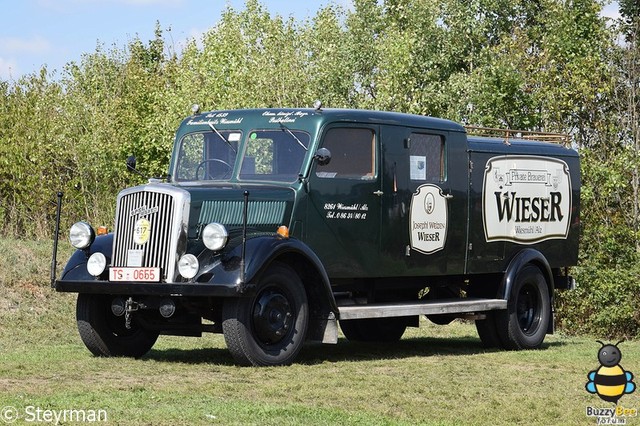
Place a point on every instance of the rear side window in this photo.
(353, 154)
(426, 157)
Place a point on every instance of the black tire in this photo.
(488, 332)
(523, 325)
(374, 329)
(269, 328)
(105, 334)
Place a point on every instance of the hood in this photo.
(269, 207)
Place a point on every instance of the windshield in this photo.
(207, 155)
(275, 155)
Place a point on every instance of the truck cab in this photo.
(276, 226)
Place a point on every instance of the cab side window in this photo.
(353, 154)
(427, 157)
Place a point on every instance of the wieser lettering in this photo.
(425, 236)
(529, 209)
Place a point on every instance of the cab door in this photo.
(343, 224)
(426, 201)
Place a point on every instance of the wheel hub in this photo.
(272, 316)
(526, 310)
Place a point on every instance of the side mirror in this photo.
(131, 163)
(322, 156)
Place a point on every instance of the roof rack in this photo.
(507, 134)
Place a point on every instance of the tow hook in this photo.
(120, 307)
(130, 307)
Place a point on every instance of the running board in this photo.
(434, 307)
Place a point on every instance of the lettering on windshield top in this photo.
(214, 121)
(284, 116)
(222, 118)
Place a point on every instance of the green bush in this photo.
(605, 302)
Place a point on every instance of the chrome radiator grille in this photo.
(160, 209)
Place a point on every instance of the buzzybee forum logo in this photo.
(610, 382)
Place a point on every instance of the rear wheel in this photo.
(523, 325)
(374, 329)
(270, 327)
(105, 334)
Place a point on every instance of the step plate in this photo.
(452, 306)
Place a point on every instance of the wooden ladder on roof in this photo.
(508, 134)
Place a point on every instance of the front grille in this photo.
(163, 208)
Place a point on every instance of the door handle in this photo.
(378, 193)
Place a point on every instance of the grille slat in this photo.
(159, 209)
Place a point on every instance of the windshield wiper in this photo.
(222, 137)
(286, 129)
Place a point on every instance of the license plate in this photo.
(135, 274)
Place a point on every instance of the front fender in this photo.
(75, 268)
(261, 251)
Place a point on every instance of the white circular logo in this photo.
(141, 231)
(429, 203)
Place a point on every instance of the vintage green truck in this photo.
(275, 225)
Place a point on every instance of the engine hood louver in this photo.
(229, 213)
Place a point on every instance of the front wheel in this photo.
(523, 325)
(270, 327)
(105, 334)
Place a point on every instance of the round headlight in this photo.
(215, 236)
(81, 235)
(188, 266)
(96, 264)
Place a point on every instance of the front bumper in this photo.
(149, 289)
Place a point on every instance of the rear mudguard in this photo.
(519, 261)
(524, 257)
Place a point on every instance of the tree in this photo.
(628, 91)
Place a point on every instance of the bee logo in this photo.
(610, 381)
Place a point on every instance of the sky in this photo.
(34, 33)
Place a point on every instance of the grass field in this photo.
(434, 375)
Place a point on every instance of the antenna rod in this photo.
(54, 258)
